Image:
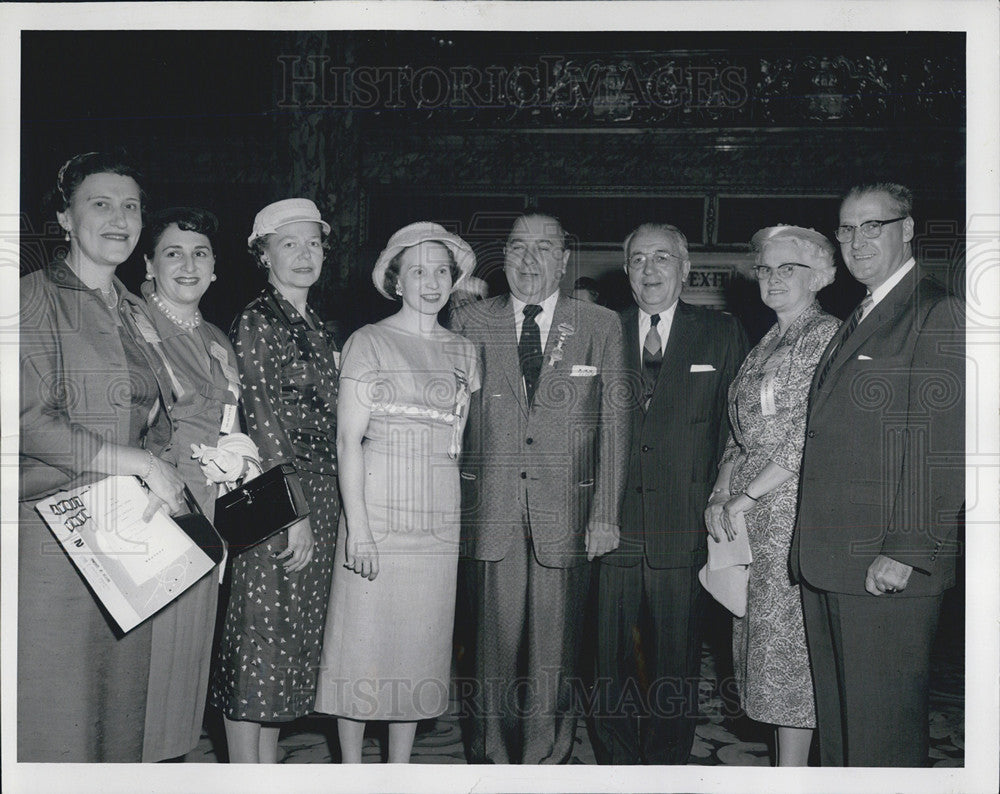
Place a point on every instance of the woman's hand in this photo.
(713, 514)
(362, 553)
(734, 505)
(165, 488)
(298, 554)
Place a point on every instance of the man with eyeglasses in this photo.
(542, 477)
(681, 360)
(882, 489)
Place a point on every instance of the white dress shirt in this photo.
(543, 319)
(662, 327)
(885, 288)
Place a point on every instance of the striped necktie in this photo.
(652, 358)
(849, 327)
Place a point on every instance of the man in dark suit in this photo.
(542, 478)
(881, 491)
(681, 359)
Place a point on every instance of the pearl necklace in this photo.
(180, 322)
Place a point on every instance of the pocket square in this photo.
(702, 368)
(582, 371)
(863, 357)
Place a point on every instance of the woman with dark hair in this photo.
(93, 398)
(404, 391)
(207, 449)
(758, 479)
(265, 674)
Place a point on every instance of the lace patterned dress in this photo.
(767, 414)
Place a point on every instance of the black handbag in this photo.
(197, 527)
(265, 505)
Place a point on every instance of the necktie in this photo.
(529, 350)
(652, 357)
(849, 327)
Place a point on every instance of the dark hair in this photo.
(391, 277)
(80, 166)
(534, 212)
(901, 195)
(187, 219)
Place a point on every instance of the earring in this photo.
(213, 278)
(399, 292)
(149, 277)
(67, 235)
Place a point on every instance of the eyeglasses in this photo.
(543, 247)
(870, 229)
(763, 272)
(660, 259)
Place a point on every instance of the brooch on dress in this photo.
(565, 331)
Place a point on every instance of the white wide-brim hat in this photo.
(283, 212)
(423, 232)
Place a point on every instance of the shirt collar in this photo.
(548, 305)
(645, 318)
(290, 313)
(61, 275)
(886, 287)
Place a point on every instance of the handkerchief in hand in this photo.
(727, 571)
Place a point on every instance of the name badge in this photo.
(219, 353)
(228, 419)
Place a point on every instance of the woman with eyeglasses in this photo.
(758, 478)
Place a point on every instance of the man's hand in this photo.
(885, 575)
(601, 538)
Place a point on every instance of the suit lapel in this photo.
(561, 315)
(504, 341)
(883, 314)
(676, 357)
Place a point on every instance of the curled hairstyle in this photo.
(812, 247)
(391, 277)
(901, 195)
(667, 229)
(187, 219)
(80, 166)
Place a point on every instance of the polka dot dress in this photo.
(268, 653)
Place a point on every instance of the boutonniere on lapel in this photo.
(565, 332)
(461, 400)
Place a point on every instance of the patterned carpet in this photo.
(724, 736)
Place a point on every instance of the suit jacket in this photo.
(560, 462)
(883, 465)
(677, 441)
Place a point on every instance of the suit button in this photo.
(524, 475)
(811, 434)
(529, 440)
(645, 447)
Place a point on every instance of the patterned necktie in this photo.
(652, 358)
(849, 327)
(529, 349)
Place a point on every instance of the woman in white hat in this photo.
(404, 391)
(265, 672)
(758, 477)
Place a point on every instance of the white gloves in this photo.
(236, 457)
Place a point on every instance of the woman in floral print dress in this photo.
(265, 671)
(758, 476)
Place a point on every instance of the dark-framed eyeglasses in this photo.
(785, 270)
(659, 259)
(870, 229)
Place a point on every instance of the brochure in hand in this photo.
(134, 568)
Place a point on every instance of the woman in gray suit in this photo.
(758, 479)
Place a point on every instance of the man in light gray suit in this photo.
(542, 480)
